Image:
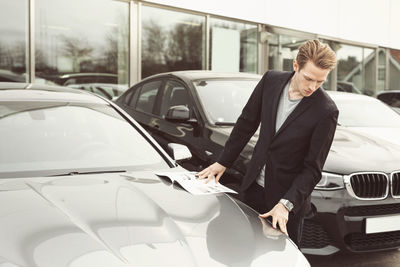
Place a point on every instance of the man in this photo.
(298, 121)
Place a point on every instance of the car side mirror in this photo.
(179, 152)
(178, 113)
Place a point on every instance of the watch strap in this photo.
(288, 205)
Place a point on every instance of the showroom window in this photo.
(349, 74)
(356, 69)
(171, 41)
(283, 50)
(369, 77)
(13, 40)
(274, 58)
(394, 69)
(82, 41)
(233, 46)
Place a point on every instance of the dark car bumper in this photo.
(338, 222)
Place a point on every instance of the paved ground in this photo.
(370, 259)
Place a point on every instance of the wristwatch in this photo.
(288, 205)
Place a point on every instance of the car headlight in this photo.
(330, 181)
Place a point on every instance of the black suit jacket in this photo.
(294, 156)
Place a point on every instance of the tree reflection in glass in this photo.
(75, 47)
(171, 41)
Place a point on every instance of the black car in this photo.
(358, 195)
(391, 97)
(348, 87)
(79, 78)
(185, 107)
(107, 90)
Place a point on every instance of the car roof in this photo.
(42, 92)
(206, 74)
(388, 92)
(82, 74)
(113, 85)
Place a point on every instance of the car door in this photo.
(176, 93)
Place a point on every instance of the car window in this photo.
(175, 94)
(127, 97)
(392, 99)
(365, 113)
(134, 97)
(46, 137)
(147, 96)
(224, 99)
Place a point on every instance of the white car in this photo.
(367, 115)
(78, 188)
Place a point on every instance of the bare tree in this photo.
(3, 56)
(153, 44)
(115, 56)
(78, 49)
(111, 53)
(179, 48)
(185, 47)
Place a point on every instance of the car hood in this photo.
(390, 134)
(131, 219)
(353, 151)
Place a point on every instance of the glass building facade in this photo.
(69, 40)
(233, 46)
(121, 42)
(14, 36)
(171, 41)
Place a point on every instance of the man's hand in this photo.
(214, 170)
(268, 231)
(279, 215)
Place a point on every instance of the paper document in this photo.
(190, 183)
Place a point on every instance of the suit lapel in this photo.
(304, 104)
(275, 101)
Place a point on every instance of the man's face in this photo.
(309, 78)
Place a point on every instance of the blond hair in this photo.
(318, 53)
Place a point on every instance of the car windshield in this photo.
(55, 138)
(224, 99)
(366, 113)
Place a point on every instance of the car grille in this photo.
(368, 185)
(363, 242)
(395, 179)
(372, 210)
(314, 236)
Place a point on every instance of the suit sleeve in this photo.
(308, 178)
(245, 126)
